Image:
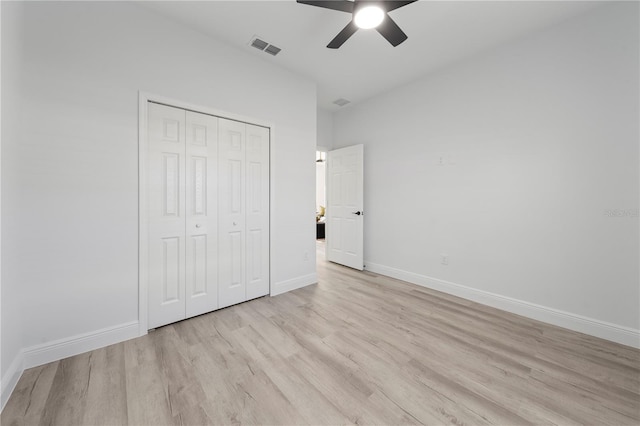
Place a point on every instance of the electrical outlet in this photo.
(444, 259)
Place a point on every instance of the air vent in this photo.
(341, 102)
(260, 44)
(272, 50)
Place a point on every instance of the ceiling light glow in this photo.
(369, 17)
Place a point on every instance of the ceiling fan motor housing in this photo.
(379, 19)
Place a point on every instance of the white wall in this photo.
(539, 141)
(325, 128)
(325, 143)
(70, 225)
(11, 332)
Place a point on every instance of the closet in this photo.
(208, 213)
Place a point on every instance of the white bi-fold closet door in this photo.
(208, 213)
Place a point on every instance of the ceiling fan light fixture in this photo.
(369, 17)
(365, 14)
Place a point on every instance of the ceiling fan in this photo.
(366, 15)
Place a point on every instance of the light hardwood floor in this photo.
(356, 348)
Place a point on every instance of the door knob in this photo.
(198, 225)
(358, 213)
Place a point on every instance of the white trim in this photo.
(272, 211)
(293, 284)
(85, 342)
(143, 226)
(10, 379)
(4, 396)
(143, 99)
(63, 348)
(602, 329)
(149, 97)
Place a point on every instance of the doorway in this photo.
(321, 192)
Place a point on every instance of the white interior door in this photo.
(166, 178)
(231, 211)
(243, 211)
(201, 214)
(344, 212)
(257, 205)
(208, 213)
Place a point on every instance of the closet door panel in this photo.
(166, 177)
(201, 187)
(231, 213)
(208, 211)
(257, 211)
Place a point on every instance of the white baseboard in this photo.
(63, 348)
(294, 283)
(10, 379)
(70, 346)
(613, 332)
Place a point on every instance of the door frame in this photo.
(143, 225)
(320, 148)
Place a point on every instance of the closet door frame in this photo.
(143, 203)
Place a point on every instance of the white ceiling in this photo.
(440, 33)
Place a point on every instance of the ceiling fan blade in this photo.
(343, 35)
(390, 5)
(391, 31)
(341, 5)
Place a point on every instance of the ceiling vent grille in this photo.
(260, 44)
(341, 102)
(272, 50)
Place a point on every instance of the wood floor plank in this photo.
(312, 405)
(195, 416)
(401, 385)
(147, 402)
(182, 388)
(67, 397)
(267, 403)
(356, 348)
(340, 391)
(30, 396)
(107, 390)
